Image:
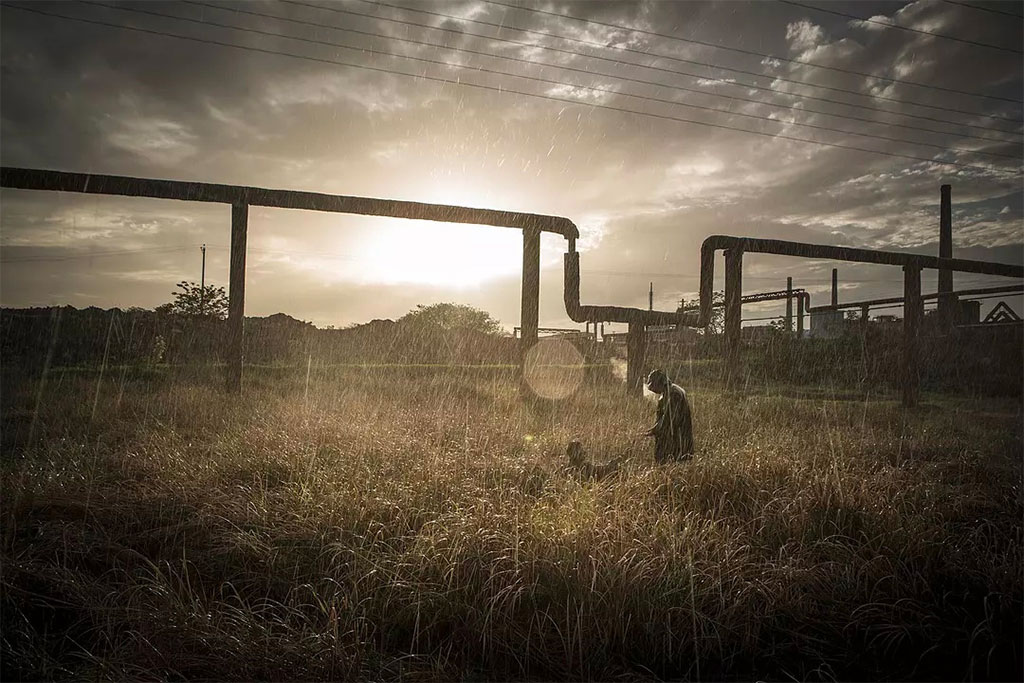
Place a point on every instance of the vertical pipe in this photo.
(636, 358)
(530, 290)
(835, 287)
(865, 313)
(650, 298)
(236, 295)
(733, 311)
(800, 317)
(789, 305)
(946, 251)
(912, 313)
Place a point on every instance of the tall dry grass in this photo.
(377, 525)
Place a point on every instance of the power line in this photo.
(589, 72)
(498, 89)
(985, 9)
(292, 252)
(94, 254)
(725, 81)
(744, 51)
(669, 57)
(902, 28)
(548, 81)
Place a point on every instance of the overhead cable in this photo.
(499, 89)
(592, 72)
(887, 24)
(645, 53)
(728, 48)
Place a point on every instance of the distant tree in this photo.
(453, 316)
(192, 301)
(717, 323)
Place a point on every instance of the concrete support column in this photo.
(912, 314)
(236, 296)
(800, 317)
(789, 305)
(636, 358)
(733, 312)
(530, 291)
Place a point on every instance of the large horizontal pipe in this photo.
(61, 181)
(1002, 289)
(802, 249)
(614, 314)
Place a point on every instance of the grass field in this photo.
(387, 524)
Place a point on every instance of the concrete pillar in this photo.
(236, 296)
(530, 290)
(912, 314)
(789, 305)
(636, 358)
(733, 312)
(800, 317)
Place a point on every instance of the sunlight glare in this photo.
(442, 254)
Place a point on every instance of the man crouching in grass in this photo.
(673, 431)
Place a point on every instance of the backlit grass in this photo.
(384, 525)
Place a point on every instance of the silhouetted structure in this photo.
(240, 198)
(912, 264)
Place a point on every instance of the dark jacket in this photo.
(673, 432)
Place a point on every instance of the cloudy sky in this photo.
(649, 140)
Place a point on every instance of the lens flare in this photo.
(554, 369)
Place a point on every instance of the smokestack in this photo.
(835, 286)
(650, 298)
(945, 241)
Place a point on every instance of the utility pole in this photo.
(202, 284)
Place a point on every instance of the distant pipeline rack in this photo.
(240, 198)
(734, 248)
(532, 225)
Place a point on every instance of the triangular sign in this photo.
(1002, 314)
